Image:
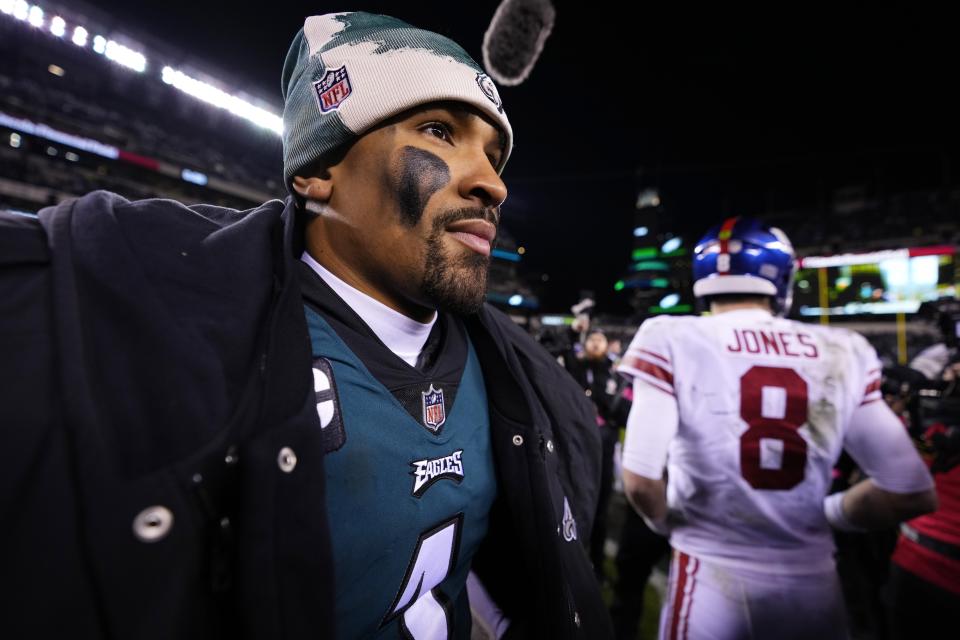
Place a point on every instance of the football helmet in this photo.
(745, 256)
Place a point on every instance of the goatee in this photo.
(457, 285)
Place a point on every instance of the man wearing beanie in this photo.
(299, 420)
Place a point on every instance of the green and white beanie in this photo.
(346, 72)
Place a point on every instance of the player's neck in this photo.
(724, 307)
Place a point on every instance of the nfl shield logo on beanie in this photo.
(333, 89)
(434, 413)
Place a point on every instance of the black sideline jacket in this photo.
(161, 468)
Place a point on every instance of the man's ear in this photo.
(315, 188)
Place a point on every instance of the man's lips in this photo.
(477, 234)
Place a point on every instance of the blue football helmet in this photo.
(745, 256)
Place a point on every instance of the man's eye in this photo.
(438, 130)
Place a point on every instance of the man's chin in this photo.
(462, 292)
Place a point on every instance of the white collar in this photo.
(404, 336)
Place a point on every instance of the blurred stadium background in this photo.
(85, 105)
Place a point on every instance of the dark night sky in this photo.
(724, 112)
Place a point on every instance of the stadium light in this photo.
(640, 232)
(671, 245)
(125, 56)
(515, 300)
(58, 26)
(648, 198)
(49, 133)
(21, 10)
(195, 177)
(35, 16)
(56, 70)
(219, 98)
(79, 37)
(15, 140)
(6, 6)
(670, 300)
(99, 44)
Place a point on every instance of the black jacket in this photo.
(156, 355)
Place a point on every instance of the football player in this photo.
(298, 421)
(738, 419)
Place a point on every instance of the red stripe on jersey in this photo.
(870, 401)
(649, 368)
(873, 386)
(655, 356)
(682, 561)
(693, 586)
(656, 384)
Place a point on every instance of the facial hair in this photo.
(456, 284)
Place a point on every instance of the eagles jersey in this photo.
(764, 406)
(409, 468)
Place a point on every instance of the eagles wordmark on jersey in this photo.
(426, 472)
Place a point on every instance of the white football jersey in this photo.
(764, 408)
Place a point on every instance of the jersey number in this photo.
(428, 615)
(773, 403)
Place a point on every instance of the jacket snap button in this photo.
(518, 440)
(550, 446)
(576, 618)
(152, 524)
(287, 460)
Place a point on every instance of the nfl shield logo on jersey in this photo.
(333, 89)
(434, 413)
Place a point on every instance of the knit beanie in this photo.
(347, 72)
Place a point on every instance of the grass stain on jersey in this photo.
(822, 418)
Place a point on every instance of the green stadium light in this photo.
(680, 308)
(619, 285)
(651, 265)
(643, 253)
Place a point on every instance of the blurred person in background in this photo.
(944, 315)
(738, 420)
(639, 550)
(300, 420)
(924, 585)
(592, 370)
(614, 350)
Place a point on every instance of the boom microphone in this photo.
(515, 38)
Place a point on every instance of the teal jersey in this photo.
(410, 482)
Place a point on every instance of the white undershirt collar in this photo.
(404, 336)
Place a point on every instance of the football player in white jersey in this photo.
(738, 419)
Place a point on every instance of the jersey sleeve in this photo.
(651, 425)
(871, 367)
(648, 358)
(878, 442)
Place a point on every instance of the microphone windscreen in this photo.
(515, 38)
